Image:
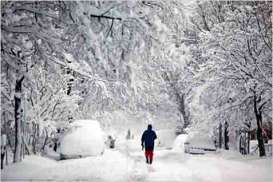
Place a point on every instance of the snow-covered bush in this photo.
(83, 138)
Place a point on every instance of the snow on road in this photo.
(176, 166)
(130, 166)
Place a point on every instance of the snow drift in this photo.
(83, 138)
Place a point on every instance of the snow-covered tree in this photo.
(67, 47)
(235, 39)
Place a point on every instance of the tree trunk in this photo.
(46, 139)
(226, 139)
(248, 142)
(7, 161)
(220, 135)
(35, 138)
(18, 120)
(240, 145)
(26, 146)
(258, 115)
(248, 126)
(23, 135)
(260, 142)
(180, 98)
(22, 150)
(183, 111)
(2, 159)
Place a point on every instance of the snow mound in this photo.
(24, 171)
(113, 166)
(178, 144)
(50, 153)
(35, 160)
(165, 138)
(84, 138)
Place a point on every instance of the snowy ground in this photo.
(127, 164)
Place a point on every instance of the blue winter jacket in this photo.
(148, 138)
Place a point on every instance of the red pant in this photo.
(149, 156)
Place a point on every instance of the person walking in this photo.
(147, 142)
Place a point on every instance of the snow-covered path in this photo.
(129, 165)
(168, 166)
(176, 166)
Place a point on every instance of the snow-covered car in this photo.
(83, 138)
(193, 150)
(198, 144)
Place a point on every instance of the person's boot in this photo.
(151, 160)
(147, 161)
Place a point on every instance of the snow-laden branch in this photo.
(34, 10)
(20, 29)
(236, 104)
(105, 17)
